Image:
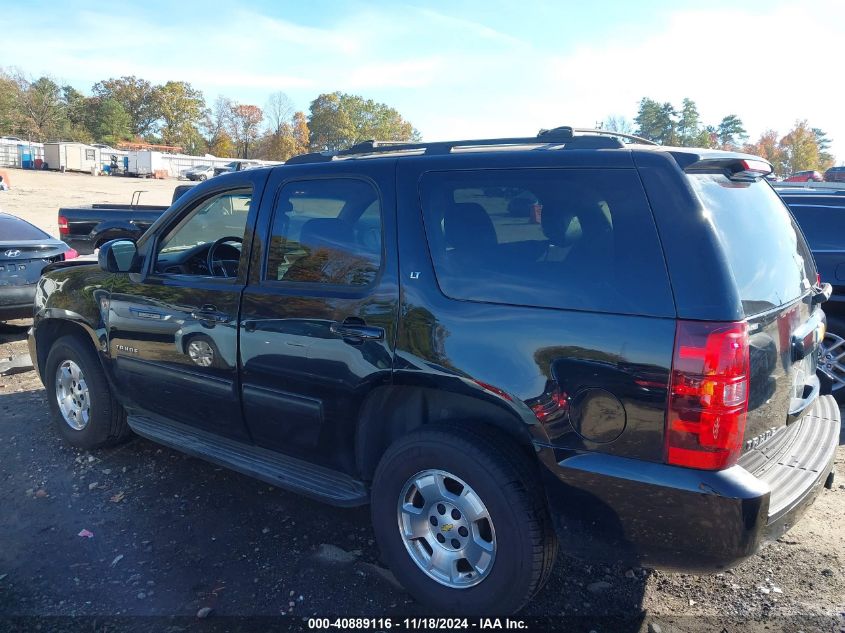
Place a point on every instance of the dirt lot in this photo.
(37, 195)
(172, 534)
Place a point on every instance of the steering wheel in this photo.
(220, 262)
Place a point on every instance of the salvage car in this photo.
(200, 172)
(24, 251)
(627, 370)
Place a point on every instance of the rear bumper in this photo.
(16, 302)
(82, 244)
(617, 509)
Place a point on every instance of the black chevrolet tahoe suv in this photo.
(502, 346)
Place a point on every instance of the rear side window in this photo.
(764, 248)
(326, 231)
(580, 239)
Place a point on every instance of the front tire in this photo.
(83, 409)
(461, 520)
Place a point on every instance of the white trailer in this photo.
(72, 157)
(145, 163)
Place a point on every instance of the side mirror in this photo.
(119, 256)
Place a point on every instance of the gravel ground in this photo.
(173, 535)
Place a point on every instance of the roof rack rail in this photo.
(595, 139)
(630, 137)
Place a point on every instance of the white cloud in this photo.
(454, 77)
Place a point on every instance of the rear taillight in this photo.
(63, 227)
(708, 394)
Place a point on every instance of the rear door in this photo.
(318, 315)
(774, 276)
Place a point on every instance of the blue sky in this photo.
(465, 68)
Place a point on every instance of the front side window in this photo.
(209, 240)
(326, 232)
(579, 239)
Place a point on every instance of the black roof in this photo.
(559, 137)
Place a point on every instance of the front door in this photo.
(318, 315)
(173, 328)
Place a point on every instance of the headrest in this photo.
(467, 225)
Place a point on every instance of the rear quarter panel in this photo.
(528, 356)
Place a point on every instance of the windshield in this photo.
(764, 248)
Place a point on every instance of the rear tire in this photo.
(83, 409)
(475, 466)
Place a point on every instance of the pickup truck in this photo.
(85, 229)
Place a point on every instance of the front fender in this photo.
(68, 299)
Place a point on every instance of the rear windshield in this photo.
(12, 228)
(766, 251)
(580, 239)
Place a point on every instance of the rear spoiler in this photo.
(735, 168)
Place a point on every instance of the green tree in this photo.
(139, 100)
(731, 133)
(689, 125)
(111, 122)
(182, 111)
(826, 159)
(656, 122)
(338, 120)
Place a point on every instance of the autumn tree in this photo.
(217, 123)
(138, 98)
(291, 139)
(768, 147)
(338, 120)
(800, 149)
(245, 125)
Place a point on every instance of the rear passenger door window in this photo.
(579, 239)
(326, 231)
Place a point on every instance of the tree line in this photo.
(801, 148)
(175, 113)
